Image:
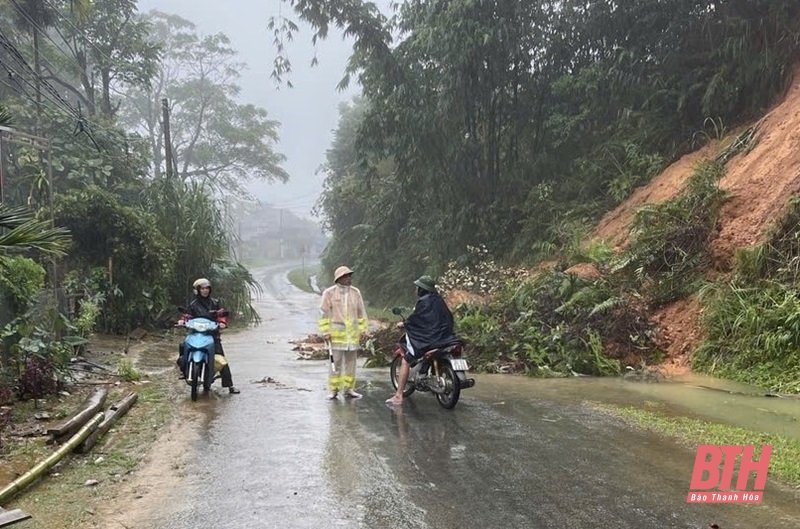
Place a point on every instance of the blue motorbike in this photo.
(199, 350)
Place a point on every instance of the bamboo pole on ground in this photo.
(30, 476)
(92, 405)
(116, 411)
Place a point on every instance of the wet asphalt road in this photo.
(280, 456)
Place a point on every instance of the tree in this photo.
(35, 16)
(509, 123)
(216, 140)
(110, 43)
(137, 259)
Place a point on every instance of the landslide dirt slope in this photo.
(760, 182)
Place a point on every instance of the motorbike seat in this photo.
(445, 348)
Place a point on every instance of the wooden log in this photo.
(30, 476)
(11, 517)
(92, 405)
(116, 411)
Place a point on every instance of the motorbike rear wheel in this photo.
(452, 388)
(195, 374)
(394, 374)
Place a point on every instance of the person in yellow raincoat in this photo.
(342, 321)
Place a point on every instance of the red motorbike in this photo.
(441, 371)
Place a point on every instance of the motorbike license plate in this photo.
(459, 364)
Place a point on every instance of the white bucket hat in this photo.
(341, 272)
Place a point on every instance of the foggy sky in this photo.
(308, 113)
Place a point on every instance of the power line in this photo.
(20, 59)
(47, 109)
(19, 89)
(15, 75)
(82, 120)
(41, 30)
(83, 124)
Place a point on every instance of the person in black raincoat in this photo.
(430, 326)
(204, 306)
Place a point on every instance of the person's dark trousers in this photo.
(181, 359)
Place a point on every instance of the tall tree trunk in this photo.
(86, 82)
(155, 137)
(38, 71)
(105, 102)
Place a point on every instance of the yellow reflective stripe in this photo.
(334, 382)
(344, 334)
(348, 382)
(324, 324)
(338, 336)
(362, 325)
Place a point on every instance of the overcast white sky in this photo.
(308, 113)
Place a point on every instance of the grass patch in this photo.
(127, 371)
(753, 335)
(301, 278)
(257, 262)
(784, 464)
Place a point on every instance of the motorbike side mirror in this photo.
(397, 311)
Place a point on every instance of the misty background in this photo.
(307, 113)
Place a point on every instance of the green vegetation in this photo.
(383, 314)
(784, 463)
(521, 151)
(301, 278)
(127, 371)
(752, 320)
(465, 138)
(95, 232)
(670, 246)
(117, 454)
(555, 323)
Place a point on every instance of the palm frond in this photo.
(6, 118)
(25, 232)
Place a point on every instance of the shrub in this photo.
(670, 240)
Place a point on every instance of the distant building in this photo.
(268, 234)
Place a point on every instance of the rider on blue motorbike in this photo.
(204, 306)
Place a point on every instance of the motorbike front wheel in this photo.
(195, 379)
(452, 388)
(394, 374)
(208, 378)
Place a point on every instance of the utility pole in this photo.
(281, 234)
(3, 171)
(167, 137)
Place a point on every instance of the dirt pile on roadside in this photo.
(614, 226)
(760, 181)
